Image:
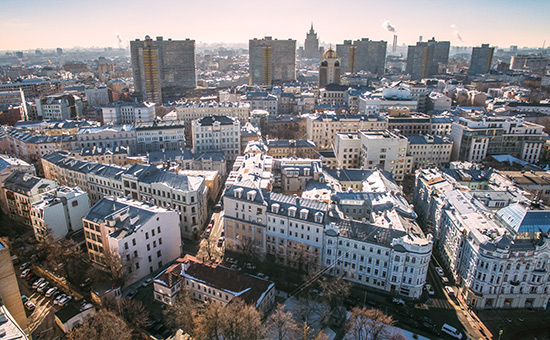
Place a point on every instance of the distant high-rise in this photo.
(162, 67)
(272, 61)
(363, 55)
(423, 60)
(329, 70)
(311, 44)
(482, 57)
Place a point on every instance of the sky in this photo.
(30, 24)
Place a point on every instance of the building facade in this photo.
(162, 67)
(142, 237)
(121, 113)
(217, 133)
(272, 61)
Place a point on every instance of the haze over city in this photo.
(50, 24)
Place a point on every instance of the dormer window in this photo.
(275, 208)
(238, 192)
(251, 195)
(303, 214)
(292, 211)
(319, 217)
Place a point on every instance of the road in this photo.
(209, 246)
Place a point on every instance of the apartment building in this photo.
(428, 150)
(159, 136)
(189, 111)
(185, 194)
(293, 175)
(261, 100)
(106, 137)
(323, 128)
(9, 165)
(141, 236)
(347, 149)
(212, 283)
(59, 107)
(59, 212)
(121, 113)
(32, 148)
(476, 138)
(217, 133)
(20, 190)
(495, 252)
(286, 148)
(373, 103)
(387, 151)
(117, 156)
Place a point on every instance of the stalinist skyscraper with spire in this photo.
(311, 45)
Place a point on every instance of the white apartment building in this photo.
(59, 107)
(438, 102)
(261, 101)
(107, 137)
(59, 212)
(144, 237)
(323, 128)
(495, 252)
(387, 151)
(19, 191)
(217, 133)
(185, 194)
(373, 103)
(212, 283)
(189, 111)
(121, 113)
(32, 148)
(160, 136)
(428, 150)
(388, 252)
(476, 138)
(347, 148)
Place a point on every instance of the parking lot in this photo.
(41, 320)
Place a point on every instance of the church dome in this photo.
(330, 54)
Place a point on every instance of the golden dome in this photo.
(330, 54)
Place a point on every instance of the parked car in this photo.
(28, 276)
(24, 265)
(398, 301)
(24, 273)
(51, 291)
(429, 289)
(43, 287)
(24, 298)
(59, 298)
(65, 300)
(38, 282)
(439, 271)
(132, 294)
(220, 242)
(450, 291)
(30, 305)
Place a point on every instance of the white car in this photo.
(439, 271)
(65, 300)
(450, 290)
(59, 298)
(398, 301)
(25, 273)
(430, 289)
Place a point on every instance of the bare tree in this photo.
(133, 311)
(308, 333)
(335, 290)
(183, 313)
(208, 324)
(118, 266)
(371, 324)
(241, 322)
(104, 325)
(281, 325)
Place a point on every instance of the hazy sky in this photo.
(29, 24)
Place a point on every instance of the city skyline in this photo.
(88, 24)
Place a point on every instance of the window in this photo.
(159, 253)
